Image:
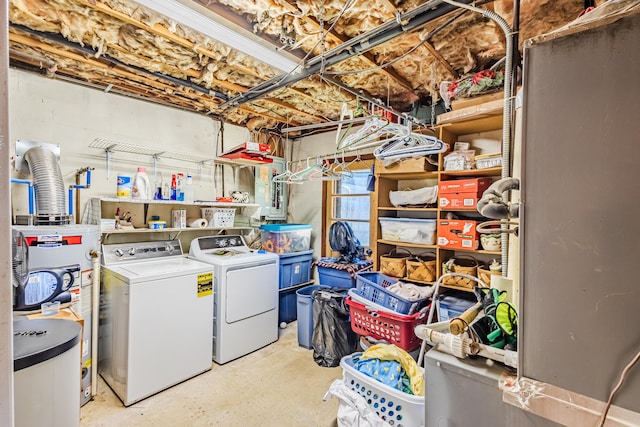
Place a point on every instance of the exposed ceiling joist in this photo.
(339, 40)
(356, 46)
(161, 31)
(371, 53)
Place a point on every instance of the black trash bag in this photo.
(342, 239)
(332, 336)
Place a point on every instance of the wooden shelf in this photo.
(393, 208)
(476, 119)
(473, 172)
(406, 279)
(409, 175)
(471, 251)
(457, 288)
(409, 245)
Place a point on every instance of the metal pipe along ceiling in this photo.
(356, 46)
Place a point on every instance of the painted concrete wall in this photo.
(56, 112)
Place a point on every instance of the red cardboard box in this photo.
(462, 193)
(458, 233)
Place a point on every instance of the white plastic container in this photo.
(409, 230)
(141, 188)
(188, 189)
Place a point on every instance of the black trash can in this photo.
(333, 337)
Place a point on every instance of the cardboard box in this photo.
(179, 219)
(419, 164)
(64, 313)
(458, 233)
(462, 193)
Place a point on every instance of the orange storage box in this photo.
(458, 233)
(462, 193)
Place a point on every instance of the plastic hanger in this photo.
(316, 172)
(341, 167)
(369, 134)
(411, 145)
(285, 176)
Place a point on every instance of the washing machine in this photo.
(245, 289)
(155, 318)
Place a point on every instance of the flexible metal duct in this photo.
(48, 183)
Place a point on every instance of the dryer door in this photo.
(251, 291)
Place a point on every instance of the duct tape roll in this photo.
(197, 222)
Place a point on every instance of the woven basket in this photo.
(394, 263)
(461, 264)
(485, 275)
(422, 267)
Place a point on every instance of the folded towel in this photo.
(411, 291)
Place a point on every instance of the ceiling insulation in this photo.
(123, 47)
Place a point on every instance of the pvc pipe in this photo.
(70, 200)
(95, 309)
(31, 193)
(461, 346)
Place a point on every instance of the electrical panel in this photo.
(271, 196)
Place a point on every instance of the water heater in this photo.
(271, 196)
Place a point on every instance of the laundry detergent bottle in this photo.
(141, 188)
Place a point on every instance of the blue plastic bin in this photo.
(287, 311)
(305, 314)
(332, 277)
(372, 286)
(295, 268)
(451, 306)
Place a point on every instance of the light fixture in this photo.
(190, 17)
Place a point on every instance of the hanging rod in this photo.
(325, 124)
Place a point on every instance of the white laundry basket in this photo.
(397, 408)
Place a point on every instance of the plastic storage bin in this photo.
(372, 286)
(383, 325)
(450, 306)
(287, 311)
(305, 314)
(409, 230)
(295, 268)
(397, 408)
(340, 275)
(285, 238)
(332, 277)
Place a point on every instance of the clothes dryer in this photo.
(245, 289)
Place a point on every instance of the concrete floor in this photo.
(279, 385)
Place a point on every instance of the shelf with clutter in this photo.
(117, 216)
(428, 205)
